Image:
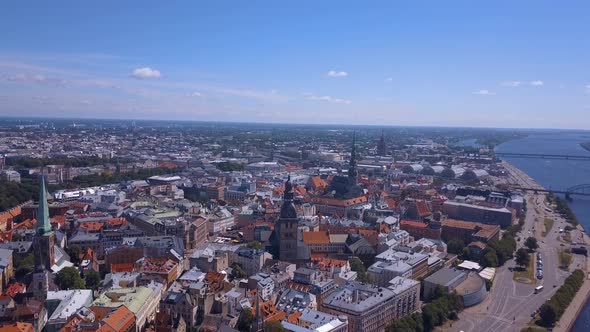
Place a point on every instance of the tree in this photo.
(455, 246)
(489, 259)
(229, 167)
(74, 253)
(23, 265)
(92, 280)
(245, 320)
(466, 253)
(548, 314)
(531, 243)
(69, 278)
(237, 272)
(358, 266)
(274, 326)
(254, 245)
(522, 257)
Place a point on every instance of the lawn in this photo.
(521, 274)
(548, 225)
(565, 259)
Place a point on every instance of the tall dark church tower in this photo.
(381, 146)
(352, 171)
(286, 227)
(43, 246)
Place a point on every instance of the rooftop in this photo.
(357, 298)
(133, 298)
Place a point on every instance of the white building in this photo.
(63, 304)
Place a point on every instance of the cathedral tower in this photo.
(43, 246)
(286, 228)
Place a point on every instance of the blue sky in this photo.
(442, 63)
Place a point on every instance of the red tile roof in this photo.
(422, 208)
(120, 320)
(14, 289)
(320, 237)
(415, 224)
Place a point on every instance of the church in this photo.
(343, 194)
(287, 246)
(44, 248)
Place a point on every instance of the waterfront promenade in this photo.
(573, 310)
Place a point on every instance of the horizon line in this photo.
(5, 117)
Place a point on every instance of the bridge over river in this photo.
(542, 156)
(580, 189)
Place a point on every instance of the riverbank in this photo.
(574, 309)
(576, 306)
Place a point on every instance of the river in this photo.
(557, 174)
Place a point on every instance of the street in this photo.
(509, 304)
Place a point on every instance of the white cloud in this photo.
(389, 79)
(33, 78)
(146, 72)
(512, 84)
(329, 99)
(587, 88)
(195, 94)
(484, 92)
(334, 73)
(537, 83)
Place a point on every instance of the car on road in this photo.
(539, 274)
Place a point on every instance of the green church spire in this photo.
(43, 225)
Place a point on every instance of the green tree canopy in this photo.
(254, 245)
(522, 257)
(74, 253)
(237, 271)
(23, 265)
(69, 278)
(274, 326)
(357, 265)
(92, 279)
(548, 314)
(489, 259)
(531, 243)
(245, 320)
(455, 246)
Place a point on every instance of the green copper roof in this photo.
(43, 225)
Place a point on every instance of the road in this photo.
(509, 305)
